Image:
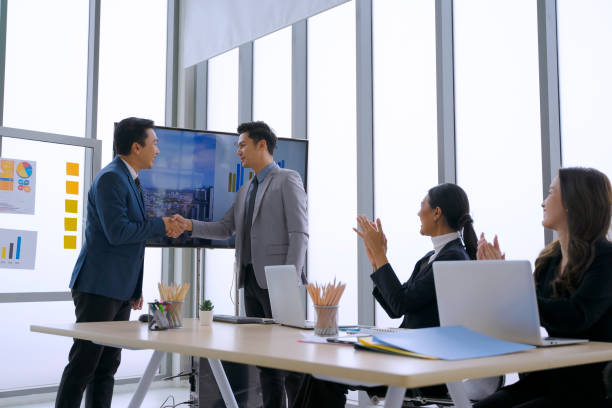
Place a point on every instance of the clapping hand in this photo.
(374, 240)
(488, 251)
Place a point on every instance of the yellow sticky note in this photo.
(72, 206)
(70, 224)
(69, 242)
(72, 187)
(72, 169)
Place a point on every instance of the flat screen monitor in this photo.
(197, 174)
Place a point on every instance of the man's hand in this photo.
(136, 304)
(186, 224)
(173, 227)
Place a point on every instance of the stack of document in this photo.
(368, 343)
(444, 343)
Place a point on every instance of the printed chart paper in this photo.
(17, 249)
(17, 186)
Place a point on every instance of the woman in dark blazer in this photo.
(573, 277)
(445, 217)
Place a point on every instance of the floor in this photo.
(160, 395)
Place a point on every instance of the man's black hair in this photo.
(259, 131)
(128, 131)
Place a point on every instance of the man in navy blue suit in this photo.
(106, 281)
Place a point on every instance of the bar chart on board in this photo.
(17, 249)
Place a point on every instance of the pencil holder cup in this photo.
(326, 323)
(175, 313)
(159, 313)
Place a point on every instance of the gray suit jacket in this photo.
(279, 232)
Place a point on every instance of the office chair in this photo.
(476, 390)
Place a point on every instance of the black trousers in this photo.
(274, 383)
(91, 366)
(579, 386)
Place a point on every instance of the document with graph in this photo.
(17, 186)
(17, 249)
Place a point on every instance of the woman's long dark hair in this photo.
(455, 207)
(586, 195)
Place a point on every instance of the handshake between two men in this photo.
(176, 225)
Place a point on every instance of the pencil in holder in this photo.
(159, 312)
(326, 323)
(175, 313)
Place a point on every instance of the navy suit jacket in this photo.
(415, 299)
(111, 260)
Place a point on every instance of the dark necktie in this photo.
(137, 181)
(246, 258)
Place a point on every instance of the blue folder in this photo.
(450, 343)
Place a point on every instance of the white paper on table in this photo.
(311, 338)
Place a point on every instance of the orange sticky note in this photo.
(69, 242)
(72, 206)
(72, 169)
(70, 224)
(72, 187)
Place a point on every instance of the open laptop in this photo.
(287, 296)
(496, 298)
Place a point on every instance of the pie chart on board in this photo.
(24, 169)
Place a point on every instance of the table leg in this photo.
(147, 378)
(364, 399)
(223, 383)
(457, 393)
(395, 397)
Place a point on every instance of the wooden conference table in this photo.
(278, 347)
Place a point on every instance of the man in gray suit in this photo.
(270, 221)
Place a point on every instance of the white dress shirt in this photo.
(131, 170)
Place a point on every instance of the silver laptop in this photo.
(496, 298)
(287, 296)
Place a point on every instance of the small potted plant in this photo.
(206, 313)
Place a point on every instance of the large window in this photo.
(498, 121)
(132, 80)
(405, 138)
(222, 116)
(132, 83)
(332, 173)
(272, 81)
(585, 84)
(46, 65)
